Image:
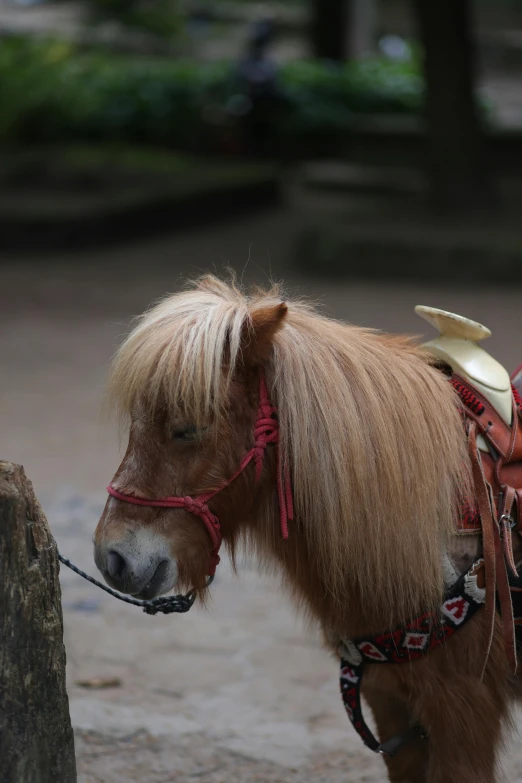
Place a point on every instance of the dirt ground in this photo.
(242, 691)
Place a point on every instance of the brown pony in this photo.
(371, 436)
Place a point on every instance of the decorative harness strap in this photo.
(405, 644)
(266, 432)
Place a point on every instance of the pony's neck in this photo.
(352, 615)
(378, 461)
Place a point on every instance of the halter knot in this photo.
(195, 506)
(266, 431)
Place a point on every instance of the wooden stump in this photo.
(36, 737)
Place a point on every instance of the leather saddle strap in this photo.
(506, 607)
(495, 566)
(506, 498)
(488, 540)
(506, 522)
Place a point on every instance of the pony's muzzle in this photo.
(142, 571)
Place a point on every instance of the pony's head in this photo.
(369, 431)
(191, 379)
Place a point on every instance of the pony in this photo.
(369, 444)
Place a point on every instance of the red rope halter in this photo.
(266, 431)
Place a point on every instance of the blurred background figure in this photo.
(368, 153)
(261, 98)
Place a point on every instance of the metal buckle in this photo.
(512, 523)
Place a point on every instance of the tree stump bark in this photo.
(36, 737)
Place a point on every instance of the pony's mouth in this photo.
(156, 585)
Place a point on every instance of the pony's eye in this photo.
(187, 433)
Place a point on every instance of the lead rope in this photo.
(165, 605)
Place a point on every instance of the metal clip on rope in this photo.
(165, 604)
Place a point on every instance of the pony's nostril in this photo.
(116, 565)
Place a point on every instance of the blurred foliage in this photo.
(160, 18)
(327, 95)
(51, 91)
(70, 170)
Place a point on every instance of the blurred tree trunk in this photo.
(36, 738)
(330, 33)
(362, 28)
(457, 165)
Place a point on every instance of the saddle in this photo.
(492, 407)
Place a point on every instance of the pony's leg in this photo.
(463, 715)
(392, 717)
(463, 738)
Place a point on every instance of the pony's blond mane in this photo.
(370, 430)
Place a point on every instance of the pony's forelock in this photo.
(183, 352)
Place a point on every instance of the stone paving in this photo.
(241, 691)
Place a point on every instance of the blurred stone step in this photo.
(87, 196)
(402, 240)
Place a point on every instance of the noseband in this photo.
(266, 432)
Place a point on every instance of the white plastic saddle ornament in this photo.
(457, 345)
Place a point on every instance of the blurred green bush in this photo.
(160, 18)
(52, 92)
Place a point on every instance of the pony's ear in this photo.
(258, 333)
